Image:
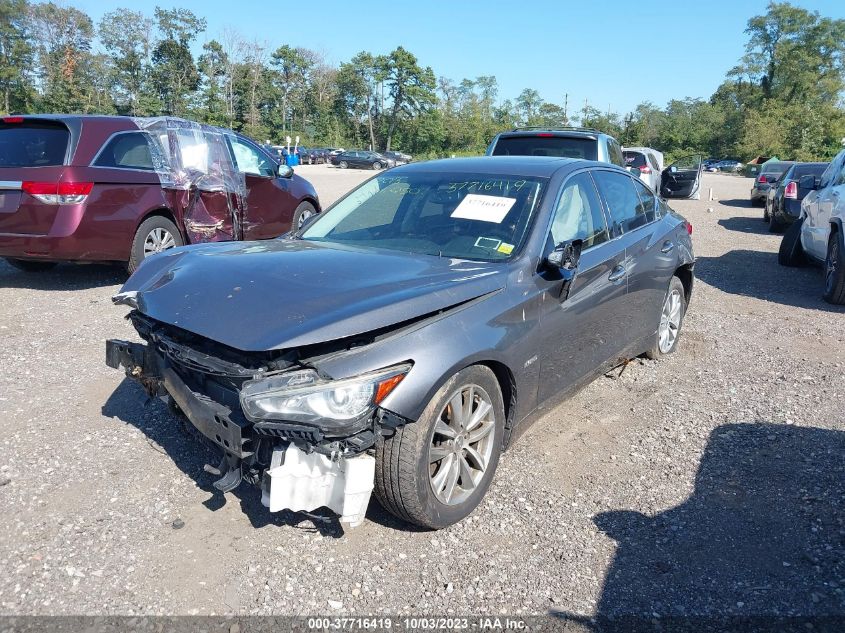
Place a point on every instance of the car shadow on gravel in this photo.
(172, 435)
(757, 274)
(63, 277)
(761, 538)
(746, 225)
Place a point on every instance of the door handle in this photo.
(667, 247)
(617, 273)
(835, 193)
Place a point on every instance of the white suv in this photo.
(818, 234)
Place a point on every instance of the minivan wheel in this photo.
(29, 265)
(791, 253)
(834, 272)
(156, 234)
(671, 320)
(304, 212)
(435, 471)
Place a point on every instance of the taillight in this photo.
(762, 179)
(791, 191)
(645, 169)
(545, 135)
(12, 119)
(689, 228)
(58, 192)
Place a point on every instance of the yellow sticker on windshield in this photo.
(505, 248)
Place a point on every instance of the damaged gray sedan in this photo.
(401, 340)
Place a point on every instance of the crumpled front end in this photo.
(281, 425)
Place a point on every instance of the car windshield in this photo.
(560, 146)
(462, 215)
(776, 168)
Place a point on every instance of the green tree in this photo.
(175, 75)
(127, 38)
(16, 56)
(410, 86)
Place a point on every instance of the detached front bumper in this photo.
(294, 465)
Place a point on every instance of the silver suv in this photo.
(818, 235)
(568, 142)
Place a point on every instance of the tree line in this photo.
(784, 97)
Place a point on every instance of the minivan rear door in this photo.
(34, 151)
(682, 179)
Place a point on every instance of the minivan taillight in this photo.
(791, 191)
(58, 192)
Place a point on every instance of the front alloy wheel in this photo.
(434, 471)
(834, 272)
(461, 445)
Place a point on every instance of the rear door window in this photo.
(127, 151)
(33, 144)
(626, 208)
(648, 199)
(558, 146)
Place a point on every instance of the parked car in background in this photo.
(117, 189)
(362, 159)
(439, 308)
(312, 155)
(646, 163)
(770, 173)
(568, 142)
(783, 201)
(729, 165)
(818, 235)
(710, 164)
(399, 158)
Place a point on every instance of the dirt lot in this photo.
(711, 482)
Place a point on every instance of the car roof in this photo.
(536, 166)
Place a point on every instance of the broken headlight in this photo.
(303, 396)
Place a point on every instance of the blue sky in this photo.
(615, 54)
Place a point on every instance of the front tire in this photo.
(671, 320)
(376, 165)
(435, 471)
(834, 268)
(791, 253)
(30, 265)
(304, 212)
(342, 164)
(156, 234)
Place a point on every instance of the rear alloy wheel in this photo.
(155, 235)
(30, 265)
(791, 253)
(834, 272)
(342, 164)
(435, 471)
(304, 212)
(671, 320)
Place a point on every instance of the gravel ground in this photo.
(710, 482)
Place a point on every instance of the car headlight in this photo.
(303, 396)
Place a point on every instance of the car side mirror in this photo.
(564, 260)
(808, 182)
(284, 171)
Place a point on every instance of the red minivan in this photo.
(117, 189)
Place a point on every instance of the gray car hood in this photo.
(258, 296)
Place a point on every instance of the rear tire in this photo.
(834, 268)
(408, 466)
(154, 228)
(303, 212)
(791, 253)
(671, 320)
(775, 226)
(376, 165)
(766, 210)
(342, 164)
(30, 265)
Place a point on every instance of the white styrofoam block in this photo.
(304, 482)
